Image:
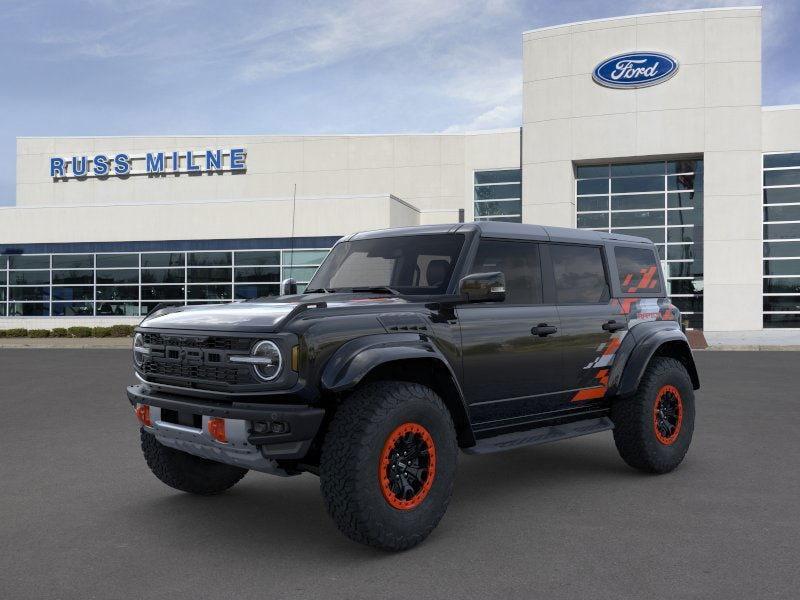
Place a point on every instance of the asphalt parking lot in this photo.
(82, 517)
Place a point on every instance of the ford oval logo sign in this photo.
(635, 70)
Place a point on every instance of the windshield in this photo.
(414, 264)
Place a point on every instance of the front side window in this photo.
(638, 270)
(579, 274)
(519, 263)
(418, 264)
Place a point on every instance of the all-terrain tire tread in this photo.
(632, 416)
(356, 422)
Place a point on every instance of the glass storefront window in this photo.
(108, 284)
(781, 213)
(209, 259)
(117, 276)
(116, 261)
(209, 292)
(28, 309)
(73, 261)
(66, 277)
(29, 293)
(163, 259)
(498, 195)
(208, 275)
(257, 274)
(29, 277)
(73, 292)
(258, 258)
(72, 309)
(117, 292)
(250, 291)
(29, 261)
(658, 200)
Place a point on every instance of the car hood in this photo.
(256, 316)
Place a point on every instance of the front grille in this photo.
(199, 373)
(207, 342)
(200, 360)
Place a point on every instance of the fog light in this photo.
(216, 429)
(279, 427)
(143, 414)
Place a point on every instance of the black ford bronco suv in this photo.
(408, 345)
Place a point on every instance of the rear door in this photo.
(591, 326)
(511, 353)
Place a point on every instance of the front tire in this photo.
(186, 472)
(388, 464)
(653, 428)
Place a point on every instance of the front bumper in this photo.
(246, 447)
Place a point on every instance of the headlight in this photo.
(139, 349)
(265, 358)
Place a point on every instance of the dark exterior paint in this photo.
(495, 365)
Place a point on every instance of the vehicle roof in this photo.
(506, 230)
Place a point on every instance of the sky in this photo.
(172, 67)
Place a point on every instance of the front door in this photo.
(591, 326)
(511, 353)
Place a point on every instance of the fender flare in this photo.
(646, 343)
(355, 359)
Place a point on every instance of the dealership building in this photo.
(650, 125)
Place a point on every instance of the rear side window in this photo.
(638, 270)
(579, 274)
(519, 262)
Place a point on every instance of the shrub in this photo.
(101, 332)
(16, 332)
(38, 333)
(80, 332)
(121, 330)
(59, 332)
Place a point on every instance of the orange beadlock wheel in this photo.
(667, 414)
(407, 466)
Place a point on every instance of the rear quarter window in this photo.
(638, 271)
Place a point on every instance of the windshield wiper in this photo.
(378, 289)
(320, 291)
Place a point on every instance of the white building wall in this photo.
(432, 172)
(712, 107)
(257, 218)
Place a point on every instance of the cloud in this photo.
(497, 117)
(332, 35)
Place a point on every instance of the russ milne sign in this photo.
(152, 163)
(635, 70)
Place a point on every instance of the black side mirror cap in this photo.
(483, 287)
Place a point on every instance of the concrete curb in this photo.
(67, 343)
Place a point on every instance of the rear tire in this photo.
(388, 464)
(186, 472)
(653, 428)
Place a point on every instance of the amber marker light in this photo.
(216, 429)
(143, 414)
(295, 358)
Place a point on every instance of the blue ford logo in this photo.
(635, 70)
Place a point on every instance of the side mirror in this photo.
(483, 287)
(288, 287)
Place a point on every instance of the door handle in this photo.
(543, 330)
(612, 326)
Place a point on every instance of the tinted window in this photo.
(415, 264)
(638, 270)
(580, 277)
(519, 262)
